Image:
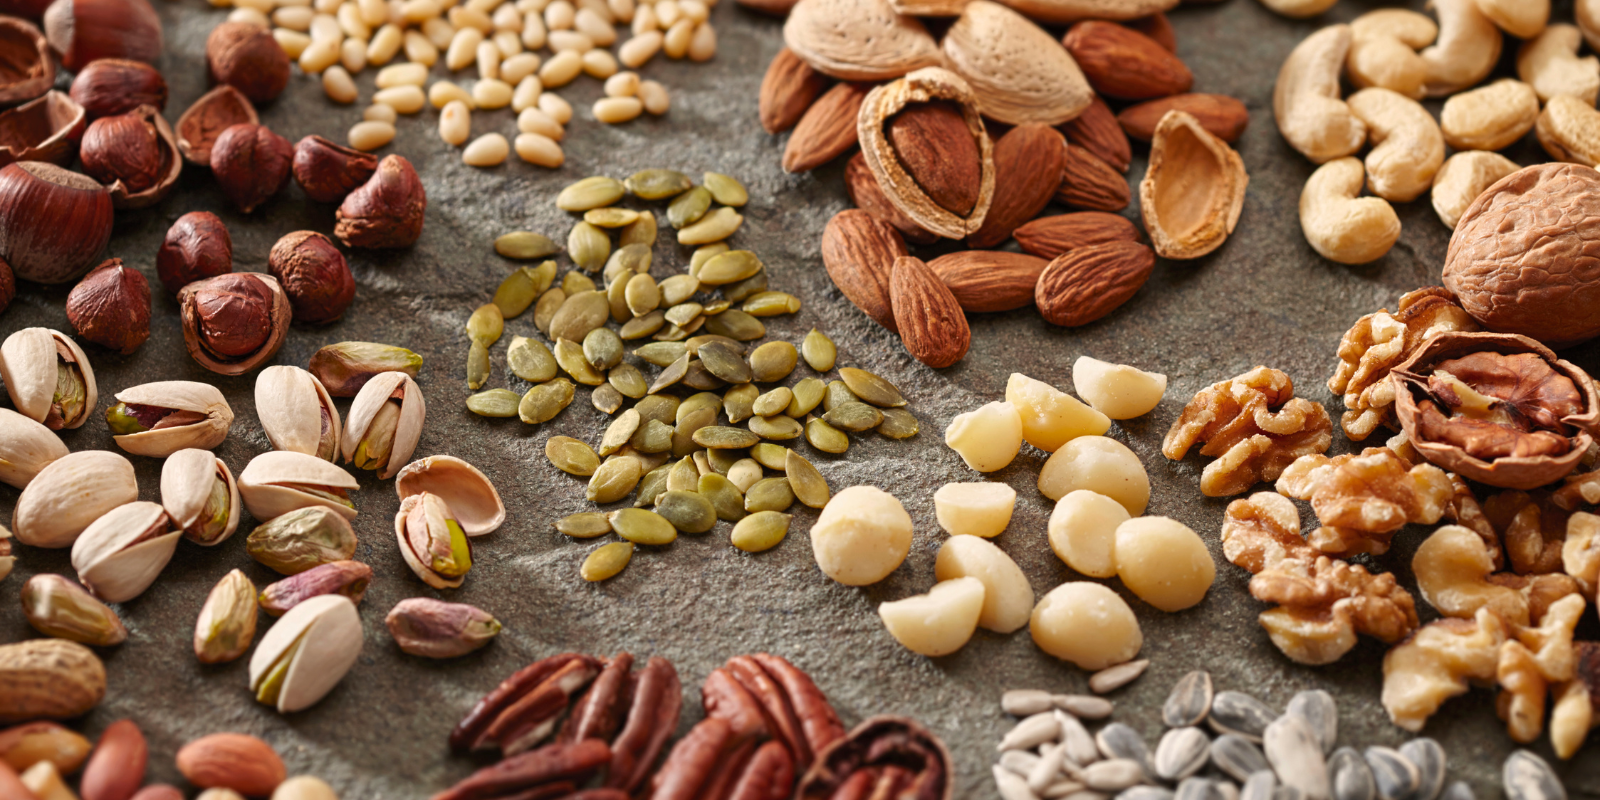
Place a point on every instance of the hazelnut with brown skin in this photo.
(197, 247)
(387, 211)
(251, 163)
(315, 276)
(233, 323)
(83, 31)
(245, 56)
(123, 148)
(329, 172)
(53, 223)
(111, 307)
(113, 86)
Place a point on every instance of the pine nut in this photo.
(508, 43)
(645, 21)
(396, 18)
(488, 60)
(676, 43)
(294, 18)
(321, 54)
(417, 12)
(371, 135)
(463, 48)
(527, 94)
(561, 41)
(439, 32)
(623, 10)
(455, 123)
(464, 18)
(655, 97)
(540, 150)
(507, 18)
(534, 34)
(443, 93)
(599, 7)
(556, 106)
(420, 50)
(638, 51)
(600, 64)
(488, 150)
(352, 24)
(561, 68)
(617, 110)
(337, 84)
(533, 120)
(532, 6)
(380, 113)
(590, 24)
(622, 84)
(293, 42)
(384, 45)
(668, 12)
(703, 46)
(517, 67)
(484, 7)
(294, 3)
(249, 16)
(326, 26)
(373, 12)
(404, 99)
(695, 10)
(491, 93)
(558, 16)
(263, 6)
(402, 75)
(327, 6)
(353, 55)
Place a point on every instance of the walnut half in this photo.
(1253, 442)
(1379, 342)
(1361, 500)
(1455, 573)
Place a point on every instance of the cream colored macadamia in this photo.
(974, 509)
(1083, 532)
(861, 536)
(1115, 390)
(1164, 562)
(1100, 465)
(1007, 595)
(988, 438)
(1087, 624)
(1050, 417)
(937, 623)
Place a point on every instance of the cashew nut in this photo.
(1588, 13)
(1523, 19)
(1407, 147)
(1550, 63)
(1467, 50)
(1299, 9)
(1491, 117)
(1462, 178)
(1569, 129)
(1306, 100)
(1338, 222)
(1383, 50)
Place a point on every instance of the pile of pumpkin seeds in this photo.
(718, 411)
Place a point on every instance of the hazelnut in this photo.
(116, 86)
(30, 69)
(197, 247)
(251, 164)
(234, 322)
(8, 286)
(47, 129)
(387, 211)
(111, 307)
(246, 56)
(53, 223)
(216, 111)
(314, 275)
(30, 10)
(89, 30)
(329, 172)
(122, 149)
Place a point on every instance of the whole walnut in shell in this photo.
(1525, 257)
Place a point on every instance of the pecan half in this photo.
(705, 764)
(652, 718)
(567, 764)
(488, 722)
(598, 714)
(883, 757)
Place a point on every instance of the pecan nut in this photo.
(598, 714)
(524, 708)
(1236, 421)
(883, 757)
(552, 771)
(652, 717)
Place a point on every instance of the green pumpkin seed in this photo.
(740, 291)
(807, 394)
(634, 257)
(651, 486)
(725, 189)
(773, 402)
(606, 561)
(617, 298)
(569, 355)
(724, 438)
(819, 351)
(518, 291)
(602, 348)
(724, 496)
(702, 462)
(640, 327)
(486, 324)
(640, 231)
(687, 511)
(689, 207)
(745, 473)
(606, 399)
(571, 456)
(825, 437)
(684, 313)
(771, 456)
(854, 417)
(524, 245)
(647, 461)
(734, 265)
(477, 366)
(739, 402)
(586, 525)
(654, 436)
(736, 325)
(620, 431)
(871, 388)
(700, 400)
(581, 313)
(683, 476)
(698, 342)
(715, 307)
(701, 378)
(683, 435)
(671, 333)
(588, 247)
(661, 354)
(712, 227)
(628, 381)
(773, 361)
(806, 482)
(837, 395)
(642, 527)
(723, 362)
(721, 461)
(530, 360)
(610, 217)
(544, 311)
(671, 375)
(703, 254)
(574, 282)
(543, 402)
(898, 423)
(643, 295)
(658, 184)
(781, 427)
(658, 406)
(763, 530)
(496, 403)
(771, 304)
(769, 494)
(613, 480)
(590, 193)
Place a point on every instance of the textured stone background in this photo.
(1264, 298)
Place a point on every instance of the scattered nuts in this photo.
(1340, 224)
(328, 172)
(1306, 101)
(57, 607)
(276, 483)
(1407, 147)
(121, 553)
(47, 129)
(343, 368)
(1163, 562)
(134, 154)
(387, 211)
(67, 224)
(1100, 465)
(251, 163)
(70, 494)
(1116, 390)
(1467, 50)
(227, 622)
(974, 509)
(988, 438)
(1383, 50)
(1083, 532)
(301, 659)
(215, 111)
(426, 627)
(1492, 117)
(112, 86)
(1050, 417)
(1193, 192)
(26, 447)
(247, 58)
(49, 679)
(234, 761)
(1007, 595)
(1463, 178)
(83, 31)
(197, 246)
(314, 275)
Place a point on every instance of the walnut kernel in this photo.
(1236, 421)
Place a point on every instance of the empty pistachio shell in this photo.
(120, 555)
(302, 539)
(69, 494)
(385, 423)
(48, 377)
(432, 628)
(200, 496)
(297, 413)
(307, 653)
(463, 487)
(159, 419)
(348, 578)
(432, 541)
(227, 622)
(26, 447)
(345, 367)
(278, 482)
(58, 607)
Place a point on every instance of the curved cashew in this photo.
(1383, 50)
(1588, 13)
(1306, 101)
(1491, 117)
(1569, 129)
(1523, 19)
(1299, 9)
(1338, 222)
(1550, 64)
(1462, 178)
(1467, 50)
(1407, 147)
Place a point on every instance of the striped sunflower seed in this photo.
(818, 350)
(1193, 789)
(825, 437)
(627, 380)
(524, 245)
(1012, 786)
(1261, 785)
(1394, 774)
(658, 184)
(518, 291)
(1237, 712)
(1351, 778)
(592, 192)
(871, 389)
(574, 282)
(661, 354)
(771, 304)
(640, 231)
(722, 361)
(689, 512)
(543, 402)
(640, 526)
(586, 525)
(642, 294)
(688, 208)
(771, 456)
(740, 291)
(588, 247)
(662, 407)
(671, 375)
(477, 366)
(1429, 759)
(773, 361)
(736, 324)
(837, 395)
(620, 431)
(899, 423)
(602, 348)
(496, 403)
(1189, 702)
(1118, 741)
(769, 494)
(780, 428)
(607, 561)
(1109, 679)
(1318, 708)
(640, 327)
(1047, 770)
(726, 189)
(1237, 756)
(760, 531)
(606, 399)
(1295, 754)
(698, 377)
(581, 313)
(805, 481)
(1526, 776)
(544, 311)
(569, 356)
(853, 417)
(1459, 790)
(713, 226)
(610, 217)
(1031, 732)
(684, 476)
(613, 480)
(774, 402)
(654, 436)
(530, 360)
(1180, 753)
(729, 267)
(805, 396)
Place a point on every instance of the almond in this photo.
(1086, 284)
(1097, 131)
(1018, 72)
(1124, 63)
(117, 769)
(859, 253)
(858, 40)
(234, 761)
(931, 322)
(985, 281)
(788, 89)
(1027, 169)
(1221, 115)
(938, 152)
(1088, 182)
(1048, 237)
(827, 129)
(867, 195)
(1159, 29)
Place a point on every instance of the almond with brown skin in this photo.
(940, 176)
(1097, 131)
(938, 152)
(1088, 182)
(1048, 237)
(1158, 28)
(931, 322)
(788, 89)
(867, 195)
(827, 129)
(1027, 166)
(859, 253)
(1086, 284)
(234, 761)
(986, 281)
(1123, 63)
(1222, 116)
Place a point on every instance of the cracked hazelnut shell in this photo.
(329, 172)
(8, 286)
(83, 31)
(111, 307)
(215, 111)
(46, 129)
(315, 276)
(197, 247)
(246, 56)
(53, 223)
(1524, 259)
(134, 154)
(251, 164)
(27, 69)
(118, 85)
(233, 323)
(387, 211)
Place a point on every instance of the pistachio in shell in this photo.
(302, 540)
(432, 541)
(275, 483)
(423, 626)
(385, 423)
(1018, 72)
(297, 413)
(307, 653)
(161, 418)
(200, 496)
(468, 492)
(58, 607)
(858, 40)
(227, 622)
(348, 578)
(345, 367)
(48, 377)
(26, 447)
(70, 494)
(123, 552)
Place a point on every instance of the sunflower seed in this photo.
(689, 512)
(1260, 784)
(1193, 789)
(640, 327)
(1237, 712)
(641, 231)
(1111, 678)
(530, 360)
(524, 245)
(1083, 706)
(737, 325)
(661, 354)
(1048, 769)
(1019, 761)
(1287, 793)
(586, 525)
(1011, 785)
(871, 389)
(672, 374)
(805, 481)
(689, 207)
(1143, 792)
(1529, 777)
(607, 561)
(588, 246)
(606, 399)
(592, 192)
(1352, 778)
(495, 403)
(1181, 753)
(1224, 790)
(1394, 774)
(1296, 755)
(1429, 759)
(773, 361)
(582, 312)
(1237, 756)
(571, 456)
(1078, 745)
(651, 486)
(825, 437)
(1025, 702)
(657, 184)
(1031, 732)
(1319, 709)
(1118, 741)
(1113, 775)
(1189, 701)
(543, 402)
(1460, 790)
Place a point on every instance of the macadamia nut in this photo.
(939, 622)
(974, 509)
(1100, 465)
(1164, 562)
(1117, 391)
(1087, 624)
(1083, 532)
(861, 536)
(1007, 595)
(988, 438)
(1051, 418)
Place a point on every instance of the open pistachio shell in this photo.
(858, 40)
(26, 446)
(29, 365)
(120, 555)
(200, 418)
(187, 483)
(297, 413)
(307, 653)
(467, 490)
(1018, 72)
(69, 494)
(364, 411)
(432, 511)
(7, 561)
(275, 483)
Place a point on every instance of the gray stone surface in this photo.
(1264, 298)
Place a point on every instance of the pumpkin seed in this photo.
(518, 291)
(711, 227)
(543, 402)
(602, 348)
(672, 374)
(640, 327)
(687, 511)
(725, 189)
(651, 486)
(701, 341)
(722, 361)
(740, 291)
(745, 473)
(606, 399)
(619, 432)
(653, 436)
(722, 460)
(898, 423)
(871, 388)
(1526, 776)
(658, 184)
(640, 526)
(613, 480)
(581, 313)
(656, 406)
(724, 438)
(838, 394)
(617, 298)
(643, 295)
(760, 531)
(661, 354)
(724, 496)
(1237, 712)
(530, 360)
(678, 289)
(697, 401)
(698, 377)
(684, 313)
(569, 355)
(497, 403)
(1429, 758)
(804, 396)
(574, 282)
(610, 217)
(592, 192)
(571, 456)
(1189, 701)
(606, 561)
(671, 333)
(688, 208)
(771, 304)
(683, 476)
(683, 436)
(1318, 708)
(734, 265)
(825, 437)
(588, 247)
(771, 456)
(486, 324)
(854, 417)
(544, 311)
(524, 245)
(586, 525)
(633, 257)
(805, 481)
(773, 402)
(739, 402)
(627, 380)
(1180, 754)
(477, 366)
(769, 494)
(1240, 758)
(736, 325)
(781, 427)
(701, 255)
(640, 231)
(715, 307)
(772, 361)
(1350, 776)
